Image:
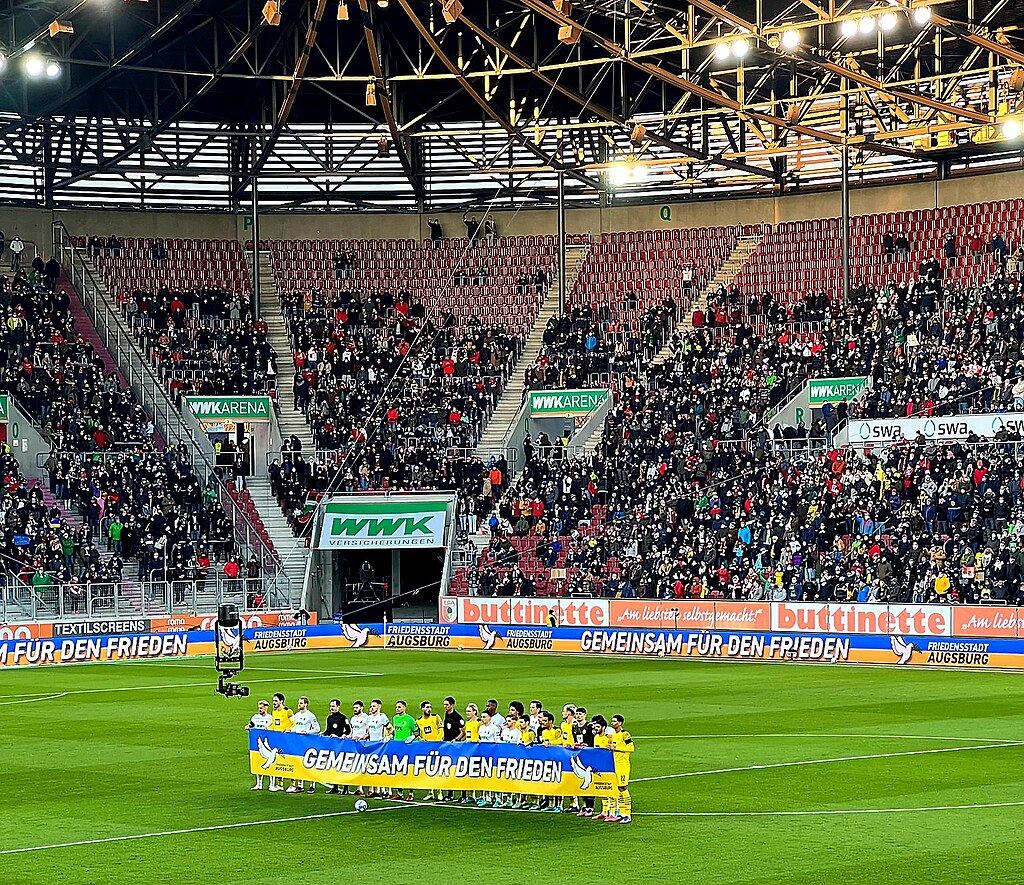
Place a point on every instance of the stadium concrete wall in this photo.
(22, 645)
(34, 224)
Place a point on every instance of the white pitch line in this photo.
(196, 685)
(827, 812)
(801, 813)
(162, 833)
(662, 777)
(34, 698)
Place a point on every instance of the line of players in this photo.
(537, 727)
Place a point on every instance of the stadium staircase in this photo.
(291, 421)
(740, 256)
(84, 327)
(495, 439)
(292, 550)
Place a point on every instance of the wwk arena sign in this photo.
(891, 432)
(557, 403)
(361, 522)
(842, 619)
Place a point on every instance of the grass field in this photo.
(744, 773)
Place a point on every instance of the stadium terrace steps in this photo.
(289, 419)
(495, 438)
(292, 550)
(726, 274)
(69, 516)
(84, 327)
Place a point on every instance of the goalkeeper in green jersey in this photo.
(403, 728)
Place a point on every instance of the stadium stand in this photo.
(135, 264)
(688, 476)
(629, 273)
(502, 282)
(122, 523)
(448, 320)
(960, 237)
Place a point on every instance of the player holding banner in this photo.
(281, 721)
(260, 719)
(622, 747)
(304, 721)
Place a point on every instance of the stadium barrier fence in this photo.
(20, 600)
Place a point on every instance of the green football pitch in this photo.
(744, 773)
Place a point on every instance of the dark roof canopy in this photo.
(179, 103)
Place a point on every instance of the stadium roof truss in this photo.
(364, 104)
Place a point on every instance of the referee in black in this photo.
(454, 727)
(337, 727)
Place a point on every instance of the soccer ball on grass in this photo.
(361, 805)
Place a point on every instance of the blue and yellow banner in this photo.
(423, 765)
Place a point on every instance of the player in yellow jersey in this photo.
(473, 736)
(603, 741)
(529, 740)
(550, 736)
(472, 723)
(568, 740)
(622, 747)
(429, 725)
(568, 714)
(281, 720)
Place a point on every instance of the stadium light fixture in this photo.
(887, 21)
(61, 26)
(53, 69)
(382, 4)
(34, 66)
(922, 15)
(790, 39)
(848, 28)
(451, 10)
(371, 93)
(866, 25)
(739, 48)
(1011, 129)
(272, 13)
(343, 10)
(640, 172)
(721, 51)
(619, 173)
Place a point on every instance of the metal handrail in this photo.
(21, 601)
(166, 416)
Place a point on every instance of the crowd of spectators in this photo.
(396, 398)
(587, 345)
(203, 341)
(689, 494)
(119, 508)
